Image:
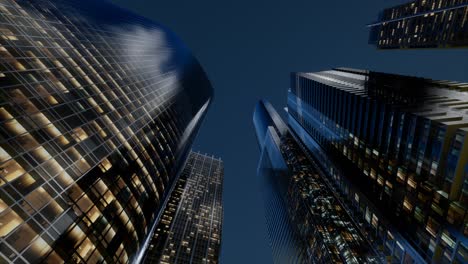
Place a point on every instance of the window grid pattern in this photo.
(410, 158)
(329, 231)
(422, 24)
(90, 133)
(190, 228)
(286, 244)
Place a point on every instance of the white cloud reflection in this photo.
(149, 54)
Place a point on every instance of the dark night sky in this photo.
(248, 48)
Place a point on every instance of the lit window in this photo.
(9, 220)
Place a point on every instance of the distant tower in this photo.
(98, 111)
(305, 221)
(286, 244)
(371, 168)
(422, 24)
(190, 227)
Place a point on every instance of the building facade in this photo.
(98, 110)
(394, 148)
(286, 245)
(306, 221)
(422, 24)
(190, 227)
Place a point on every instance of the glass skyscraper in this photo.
(387, 156)
(190, 227)
(286, 245)
(305, 221)
(422, 24)
(98, 110)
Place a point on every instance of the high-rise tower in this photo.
(393, 146)
(305, 220)
(387, 153)
(190, 227)
(98, 110)
(285, 243)
(422, 24)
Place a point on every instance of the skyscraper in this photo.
(391, 137)
(98, 111)
(285, 243)
(391, 151)
(190, 227)
(422, 24)
(306, 222)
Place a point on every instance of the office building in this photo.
(190, 227)
(422, 24)
(306, 222)
(392, 151)
(272, 171)
(98, 111)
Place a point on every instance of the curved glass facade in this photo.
(98, 110)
